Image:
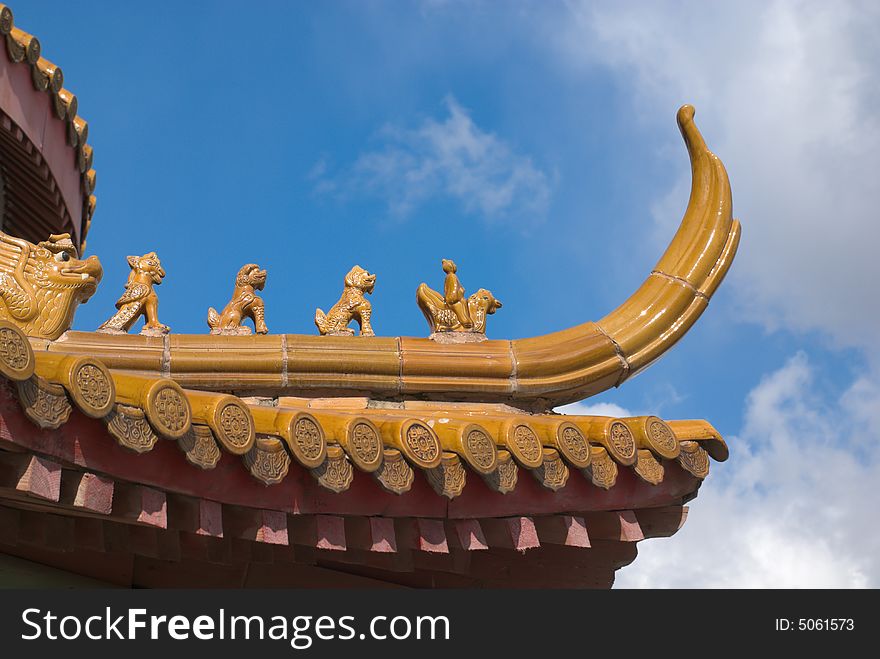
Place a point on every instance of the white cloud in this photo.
(595, 409)
(793, 507)
(786, 94)
(452, 159)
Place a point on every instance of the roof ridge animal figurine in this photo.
(352, 305)
(244, 304)
(139, 298)
(450, 317)
(41, 285)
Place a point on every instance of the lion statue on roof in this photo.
(244, 304)
(352, 305)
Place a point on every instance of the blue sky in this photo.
(535, 144)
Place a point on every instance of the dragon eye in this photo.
(62, 256)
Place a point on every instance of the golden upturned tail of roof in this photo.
(584, 360)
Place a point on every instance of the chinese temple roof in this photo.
(184, 459)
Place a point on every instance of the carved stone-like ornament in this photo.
(307, 441)
(481, 450)
(694, 459)
(139, 298)
(453, 319)
(661, 435)
(553, 472)
(335, 473)
(622, 442)
(421, 443)
(363, 444)
(352, 306)
(268, 460)
(235, 426)
(602, 471)
(130, 428)
(395, 475)
(503, 479)
(41, 285)
(648, 467)
(244, 304)
(199, 447)
(92, 388)
(168, 409)
(447, 480)
(573, 445)
(43, 403)
(526, 446)
(16, 355)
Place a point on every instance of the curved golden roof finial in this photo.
(575, 363)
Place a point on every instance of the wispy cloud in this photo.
(595, 409)
(786, 93)
(452, 158)
(792, 508)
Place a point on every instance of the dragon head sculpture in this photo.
(41, 285)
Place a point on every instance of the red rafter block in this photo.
(256, 525)
(319, 531)
(431, 536)
(210, 518)
(30, 474)
(470, 534)
(619, 525)
(565, 530)
(517, 533)
(88, 491)
(662, 522)
(331, 532)
(374, 534)
(142, 504)
(199, 516)
(383, 538)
